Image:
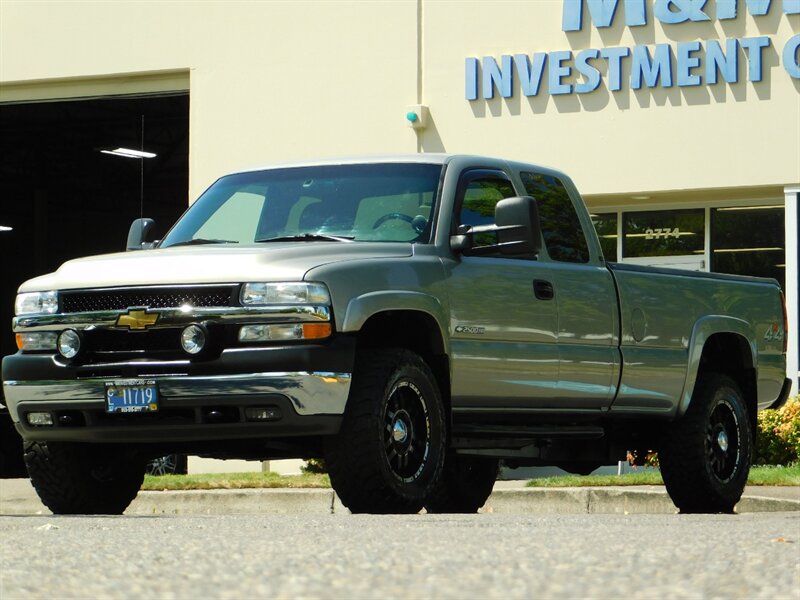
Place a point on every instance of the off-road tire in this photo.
(465, 485)
(705, 455)
(74, 479)
(12, 464)
(372, 466)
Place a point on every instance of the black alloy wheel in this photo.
(389, 453)
(407, 431)
(705, 455)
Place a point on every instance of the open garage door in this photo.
(62, 197)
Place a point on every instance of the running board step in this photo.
(494, 436)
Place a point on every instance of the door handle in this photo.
(543, 290)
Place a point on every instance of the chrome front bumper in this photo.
(310, 393)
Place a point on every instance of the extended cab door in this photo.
(504, 317)
(587, 331)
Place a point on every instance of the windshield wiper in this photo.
(308, 237)
(198, 241)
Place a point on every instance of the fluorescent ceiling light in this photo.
(660, 236)
(6, 228)
(128, 153)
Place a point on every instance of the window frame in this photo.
(466, 177)
(586, 240)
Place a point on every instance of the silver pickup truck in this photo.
(413, 320)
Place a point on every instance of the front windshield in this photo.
(387, 202)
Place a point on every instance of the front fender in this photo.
(703, 329)
(362, 307)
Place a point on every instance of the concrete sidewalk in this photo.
(17, 497)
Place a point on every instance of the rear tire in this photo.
(73, 479)
(466, 484)
(705, 456)
(389, 453)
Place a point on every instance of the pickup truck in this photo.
(413, 320)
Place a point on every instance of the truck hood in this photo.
(209, 264)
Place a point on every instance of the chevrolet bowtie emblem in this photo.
(137, 319)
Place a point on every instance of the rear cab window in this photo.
(563, 235)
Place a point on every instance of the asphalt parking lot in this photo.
(752, 555)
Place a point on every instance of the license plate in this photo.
(131, 396)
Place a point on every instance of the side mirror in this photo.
(518, 228)
(138, 233)
(516, 231)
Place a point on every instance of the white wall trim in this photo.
(792, 225)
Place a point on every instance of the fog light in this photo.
(40, 419)
(69, 343)
(262, 413)
(193, 339)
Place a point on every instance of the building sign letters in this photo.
(684, 64)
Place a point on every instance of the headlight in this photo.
(285, 293)
(36, 303)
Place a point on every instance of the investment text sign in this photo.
(683, 64)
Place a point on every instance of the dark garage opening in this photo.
(62, 198)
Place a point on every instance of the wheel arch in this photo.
(722, 345)
(409, 320)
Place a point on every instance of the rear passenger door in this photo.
(503, 329)
(584, 294)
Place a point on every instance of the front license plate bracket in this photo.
(132, 396)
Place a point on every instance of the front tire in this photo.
(389, 453)
(78, 479)
(705, 457)
(466, 484)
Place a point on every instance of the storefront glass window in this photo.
(748, 240)
(663, 233)
(606, 227)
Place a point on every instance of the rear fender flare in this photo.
(703, 329)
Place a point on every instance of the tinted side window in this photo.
(561, 228)
(479, 194)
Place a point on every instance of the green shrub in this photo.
(314, 465)
(778, 439)
(643, 458)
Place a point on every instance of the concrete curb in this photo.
(19, 498)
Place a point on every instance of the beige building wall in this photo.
(721, 136)
(268, 81)
(271, 81)
(280, 80)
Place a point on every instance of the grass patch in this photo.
(772, 475)
(764, 475)
(234, 481)
(783, 476)
(648, 477)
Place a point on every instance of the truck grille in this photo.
(155, 341)
(122, 298)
